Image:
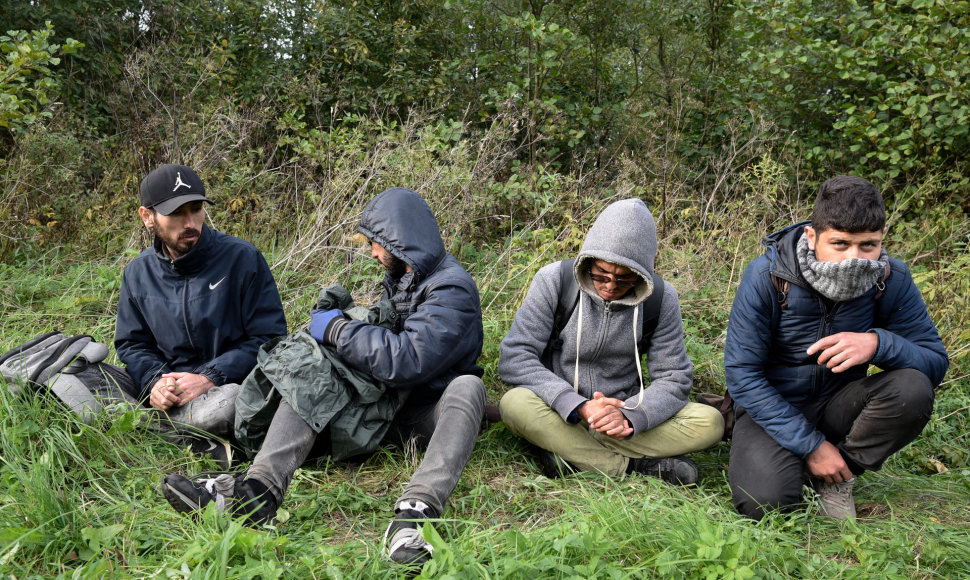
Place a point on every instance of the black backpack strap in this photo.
(651, 313)
(568, 298)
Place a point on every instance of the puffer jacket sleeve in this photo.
(907, 336)
(746, 355)
(134, 341)
(443, 329)
(262, 317)
(519, 362)
(671, 372)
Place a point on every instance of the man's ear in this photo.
(147, 216)
(810, 236)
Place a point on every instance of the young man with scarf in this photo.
(823, 303)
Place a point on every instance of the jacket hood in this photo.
(401, 222)
(780, 248)
(625, 234)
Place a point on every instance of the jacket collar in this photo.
(192, 262)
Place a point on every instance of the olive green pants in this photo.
(693, 428)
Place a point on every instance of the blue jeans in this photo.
(447, 427)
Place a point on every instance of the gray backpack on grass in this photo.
(70, 368)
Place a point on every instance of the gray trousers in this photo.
(867, 421)
(213, 412)
(448, 429)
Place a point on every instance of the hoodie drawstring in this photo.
(636, 351)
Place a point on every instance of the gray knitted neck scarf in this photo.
(840, 281)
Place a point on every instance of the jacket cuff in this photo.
(333, 330)
(212, 374)
(566, 403)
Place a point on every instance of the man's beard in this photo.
(395, 267)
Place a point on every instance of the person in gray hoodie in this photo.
(591, 411)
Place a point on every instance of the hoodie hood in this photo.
(401, 222)
(625, 234)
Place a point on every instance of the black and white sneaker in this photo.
(247, 498)
(403, 541)
(677, 470)
(192, 495)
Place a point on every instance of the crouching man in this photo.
(823, 303)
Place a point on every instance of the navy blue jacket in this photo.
(205, 312)
(439, 333)
(767, 369)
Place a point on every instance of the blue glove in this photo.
(319, 321)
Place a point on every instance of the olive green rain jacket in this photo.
(326, 392)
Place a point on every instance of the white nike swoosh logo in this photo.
(213, 286)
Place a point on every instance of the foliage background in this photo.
(519, 120)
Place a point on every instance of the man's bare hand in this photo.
(163, 395)
(603, 414)
(187, 386)
(844, 350)
(826, 463)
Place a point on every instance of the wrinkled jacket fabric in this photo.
(205, 312)
(624, 234)
(439, 334)
(767, 369)
(326, 392)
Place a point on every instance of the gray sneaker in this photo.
(836, 499)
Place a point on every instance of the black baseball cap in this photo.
(170, 187)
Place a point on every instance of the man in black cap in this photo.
(194, 308)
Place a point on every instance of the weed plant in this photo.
(81, 501)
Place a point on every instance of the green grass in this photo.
(81, 501)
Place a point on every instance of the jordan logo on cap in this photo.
(179, 183)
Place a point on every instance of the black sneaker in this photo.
(677, 470)
(192, 495)
(216, 449)
(552, 465)
(246, 498)
(255, 502)
(403, 542)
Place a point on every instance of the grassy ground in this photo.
(81, 501)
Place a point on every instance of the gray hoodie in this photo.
(624, 234)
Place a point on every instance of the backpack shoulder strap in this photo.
(651, 313)
(568, 297)
(881, 284)
(781, 290)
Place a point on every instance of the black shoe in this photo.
(676, 470)
(403, 542)
(216, 449)
(246, 498)
(552, 465)
(192, 495)
(255, 502)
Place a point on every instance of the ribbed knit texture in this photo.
(840, 281)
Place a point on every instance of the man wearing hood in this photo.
(432, 351)
(589, 410)
(193, 309)
(810, 315)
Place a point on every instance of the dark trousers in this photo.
(867, 420)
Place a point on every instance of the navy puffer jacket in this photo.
(439, 334)
(767, 369)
